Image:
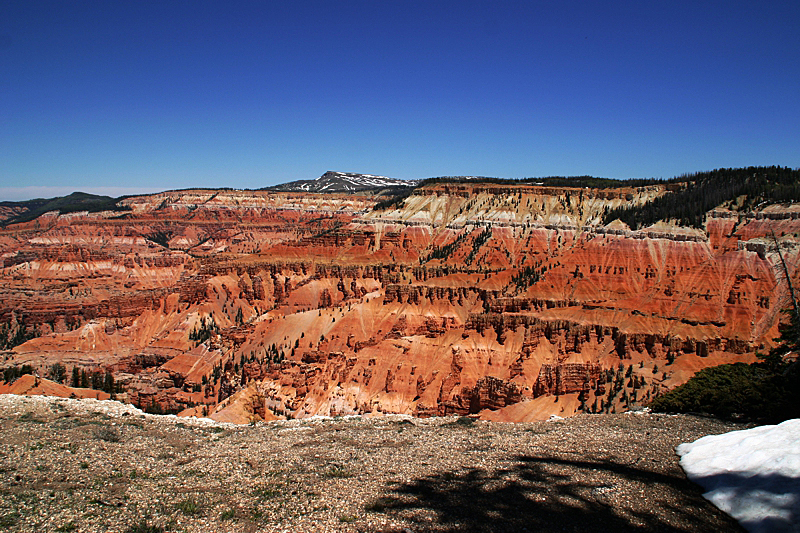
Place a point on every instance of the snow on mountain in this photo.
(338, 182)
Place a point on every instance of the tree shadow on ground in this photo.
(553, 494)
(767, 502)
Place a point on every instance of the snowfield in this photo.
(752, 474)
(343, 182)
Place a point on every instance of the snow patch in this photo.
(18, 405)
(752, 474)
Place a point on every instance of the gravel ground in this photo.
(68, 465)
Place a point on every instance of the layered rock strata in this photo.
(468, 299)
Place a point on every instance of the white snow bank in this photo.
(753, 474)
(18, 404)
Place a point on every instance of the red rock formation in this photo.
(471, 298)
(35, 386)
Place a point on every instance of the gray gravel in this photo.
(68, 465)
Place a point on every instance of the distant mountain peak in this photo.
(334, 181)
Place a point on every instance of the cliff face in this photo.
(468, 299)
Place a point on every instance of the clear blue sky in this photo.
(134, 95)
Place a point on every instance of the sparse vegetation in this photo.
(479, 241)
(394, 202)
(446, 250)
(144, 527)
(189, 506)
(10, 374)
(14, 334)
(58, 372)
(337, 471)
(160, 237)
(208, 327)
(267, 493)
(526, 277)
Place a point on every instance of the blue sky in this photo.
(134, 96)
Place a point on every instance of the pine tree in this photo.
(108, 384)
(58, 373)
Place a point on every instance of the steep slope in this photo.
(506, 301)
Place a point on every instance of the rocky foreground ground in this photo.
(69, 465)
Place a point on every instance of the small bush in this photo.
(338, 472)
(144, 527)
(267, 493)
(188, 507)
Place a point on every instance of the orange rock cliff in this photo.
(506, 302)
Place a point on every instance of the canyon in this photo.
(505, 302)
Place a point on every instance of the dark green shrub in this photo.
(735, 391)
(766, 391)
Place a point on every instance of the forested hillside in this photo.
(741, 188)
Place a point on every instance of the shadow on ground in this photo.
(553, 494)
(763, 502)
